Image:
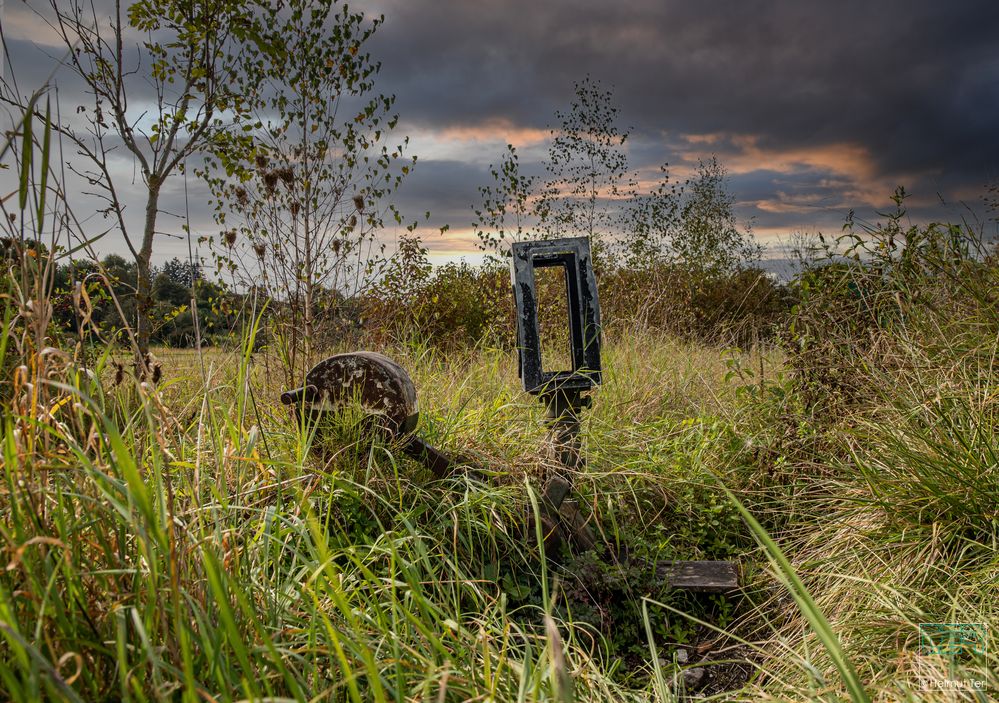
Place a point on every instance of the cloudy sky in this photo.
(814, 108)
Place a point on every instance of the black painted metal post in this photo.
(561, 390)
(562, 415)
(563, 408)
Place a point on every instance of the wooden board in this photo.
(700, 576)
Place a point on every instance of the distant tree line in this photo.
(174, 285)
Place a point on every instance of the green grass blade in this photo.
(816, 618)
(44, 179)
(26, 156)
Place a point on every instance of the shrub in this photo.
(737, 308)
(457, 304)
(876, 294)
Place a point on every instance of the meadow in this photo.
(171, 533)
(180, 541)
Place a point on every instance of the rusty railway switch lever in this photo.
(562, 391)
(386, 393)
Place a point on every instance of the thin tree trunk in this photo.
(143, 274)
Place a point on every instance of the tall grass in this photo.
(895, 360)
(150, 566)
(164, 549)
(157, 549)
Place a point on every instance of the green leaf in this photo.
(26, 155)
(46, 146)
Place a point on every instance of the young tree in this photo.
(183, 273)
(585, 187)
(507, 207)
(708, 238)
(653, 222)
(302, 211)
(587, 167)
(160, 78)
(588, 189)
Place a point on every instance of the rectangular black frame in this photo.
(573, 254)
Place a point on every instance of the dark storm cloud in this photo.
(450, 186)
(917, 83)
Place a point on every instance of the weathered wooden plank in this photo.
(699, 576)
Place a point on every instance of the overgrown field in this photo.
(169, 532)
(180, 542)
(176, 535)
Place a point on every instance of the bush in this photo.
(459, 304)
(735, 308)
(877, 293)
(456, 305)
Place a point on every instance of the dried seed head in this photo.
(260, 249)
(270, 181)
(230, 237)
(295, 208)
(352, 222)
(261, 160)
(241, 196)
(359, 203)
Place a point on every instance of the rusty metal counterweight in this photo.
(381, 387)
